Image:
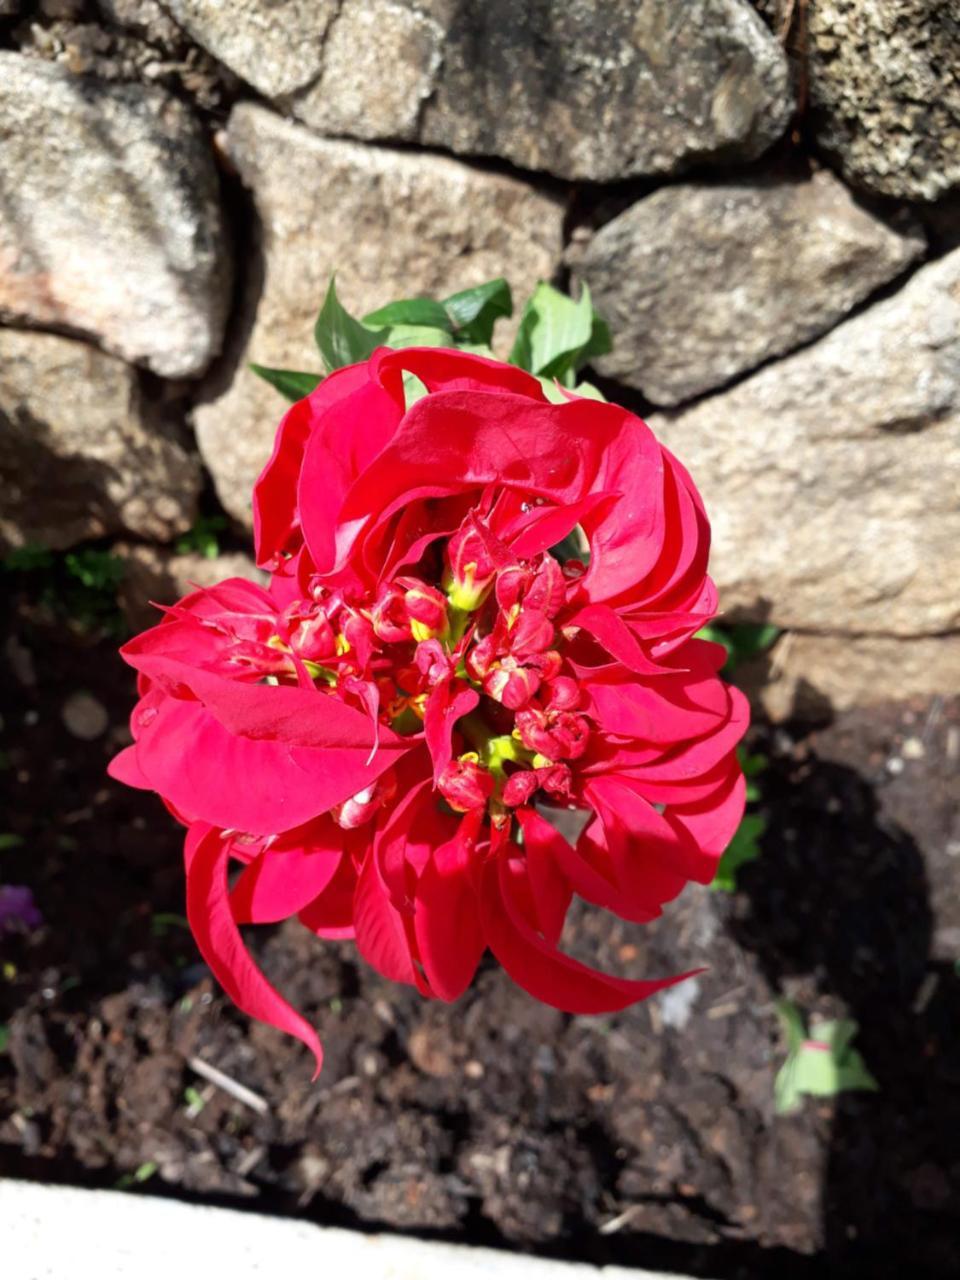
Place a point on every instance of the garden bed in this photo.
(646, 1138)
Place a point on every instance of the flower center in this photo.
(482, 636)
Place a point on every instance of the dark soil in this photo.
(649, 1137)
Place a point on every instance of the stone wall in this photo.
(761, 196)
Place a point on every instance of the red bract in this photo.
(386, 737)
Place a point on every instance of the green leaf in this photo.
(742, 640)
(418, 311)
(413, 390)
(557, 335)
(573, 547)
(9, 840)
(4, 1037)
(416, 335)
(751, 638)
(716, 635)
(589, 392)
(202, 538)
(289, 382)
(821, 1063)
(475, 311)
(743, 848)
(342, 340)
(476, 349)
(97, 570)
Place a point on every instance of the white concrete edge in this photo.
(66, 1233)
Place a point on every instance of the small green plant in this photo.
(555, 338)
(203, 539)
(9, 840)
(194, 1100)
(4, 1037)
(76, 586)
(143, 1173)
(745, 845)
(742, 640)
(820, 1064)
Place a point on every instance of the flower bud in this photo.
(482, 656)
(391, 621)
(433, 662)
(519, 787)
(471, 569)
(311, 634)
(562, 694)
(541, 587)
(465, 784)
(557, 781)
(531, 632)
(426, 608)
(557, 735)
(510, 683)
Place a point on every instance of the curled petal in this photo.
(216, 933)
(542, 970)
(444, 706)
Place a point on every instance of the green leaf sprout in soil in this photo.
(819, 1064)
(143, 1173)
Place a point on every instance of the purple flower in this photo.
(18, 909)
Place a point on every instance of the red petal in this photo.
(442, 369)
(124, 767)
(380, 931)
(612, 632)
(217, 936)
(456, 441)
(447, 919)
(260, 786)
(279, 883)
(347, 437)
(550, 887)
(540, 969)
(441, 711)
(330, 915)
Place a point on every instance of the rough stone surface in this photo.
(158, 575)
(700, 283)
(111, 228)
(596, 89)
(391, 224)
(811, 675)
(885, 91)
(831, 476)
(276, 47)
(78, 458)
(605, 89)
(353, 96)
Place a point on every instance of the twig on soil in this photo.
(620, 1221)
(229, 1085)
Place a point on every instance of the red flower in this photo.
(383, 736)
